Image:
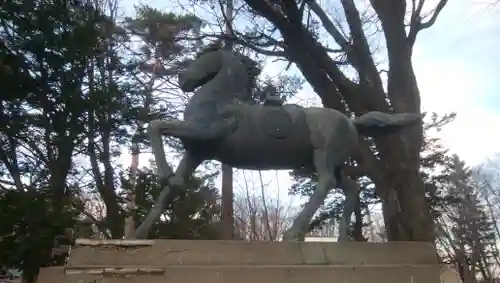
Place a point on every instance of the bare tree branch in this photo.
(265, 208)
(417, 25)
(330, 27)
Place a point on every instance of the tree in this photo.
(106, 116)
(487, 177)
(44, 53)
(467, 232)
(435, 157)
(74, 99)
(127, 84)
(190, 213)
(29, 226)
(260, 215)
(349, 78)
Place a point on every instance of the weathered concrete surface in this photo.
(450, 275)
(176, 252)
(183, 261)
(51, 275)
(260, 274)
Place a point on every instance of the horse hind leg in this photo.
(325, 168)
(351, 191)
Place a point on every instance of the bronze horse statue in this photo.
(221, 124)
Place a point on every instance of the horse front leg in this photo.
(176, 128)
(208, 129)
(186, 169)
(156, 129)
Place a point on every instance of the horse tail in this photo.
(376, 123)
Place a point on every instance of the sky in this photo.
(456, 63)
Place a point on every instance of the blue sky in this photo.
(469, 48)
(456, 62)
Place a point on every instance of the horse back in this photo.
(268, 137)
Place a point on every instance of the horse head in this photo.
(201, 70)
(211, 61)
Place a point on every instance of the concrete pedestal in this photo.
(184, 261)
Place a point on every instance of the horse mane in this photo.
(217, 45)
(253, 67)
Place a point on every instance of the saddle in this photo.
(277, 122)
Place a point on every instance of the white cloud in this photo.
(449, 86)
(473, 137)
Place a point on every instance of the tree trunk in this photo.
(406, 213)
(131, 201)
(135, 150)
(406, 216)
(357, 231)
(227, 215)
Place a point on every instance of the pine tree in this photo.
(467, 232)
(44, 53)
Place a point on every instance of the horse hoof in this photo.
(292, 237)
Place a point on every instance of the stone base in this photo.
(183, 261)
